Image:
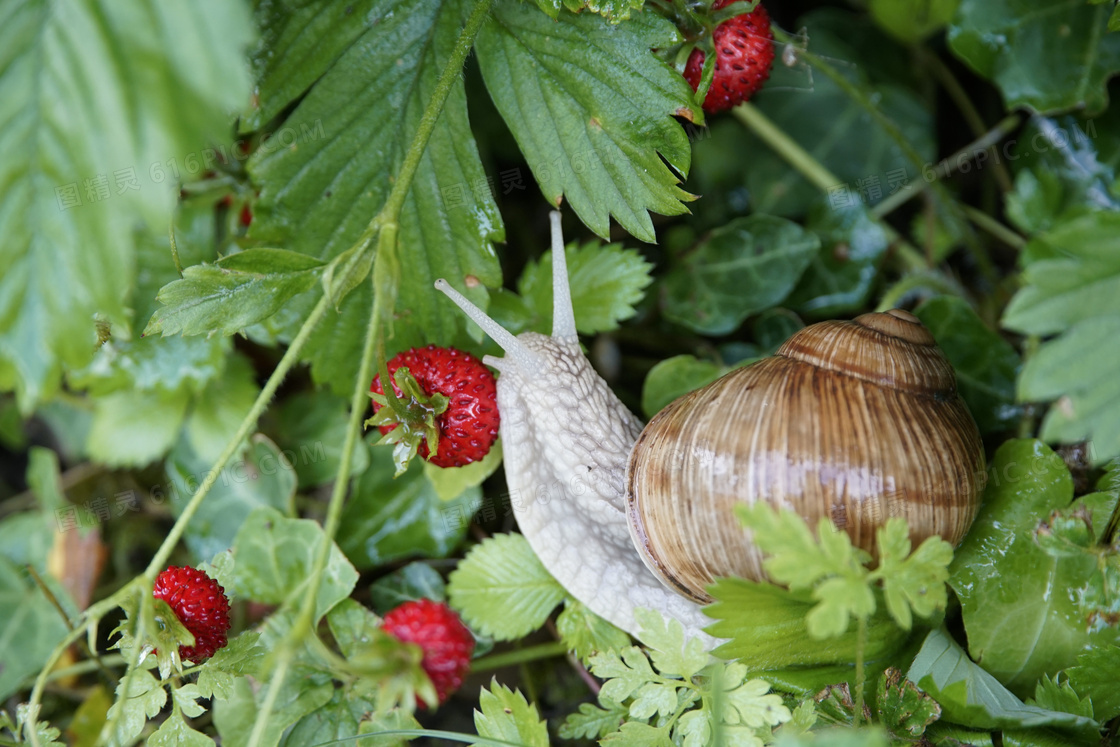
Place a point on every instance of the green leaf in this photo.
(766, 629)
(637, 734)
(135, 428)
(235, 292)
(1095, 677)
(393, 720)
(592, 722)
(319, 196)
(261, 476)
(624, 671)
(452, 482)
(30, 627)
(840, 277)
(1072, 287)
(218, 411)
(1070, 56)
(615, 10)
(829, 124)
(748, 702)
(336, 722)
(585, 633)
(506, 715)
(984, 362)
(675, 377)
(310, 428)
(744, 267)
(101, 100)
(607, 282)
(1018, 628)
(902, 707)
(912, 20)
(971, 697)
(273, 556)
(301, 693)
(414, 581)
(591, 109)
(665, 638)
(174, 732)
(912, 581)
(144, 699)
(387, 519)
(241, 656)
(350, 624)
(502, 589)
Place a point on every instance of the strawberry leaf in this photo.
(507, 716)
(591, 108)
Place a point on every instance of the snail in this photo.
(856, 420)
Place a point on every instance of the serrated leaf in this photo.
(749, 702)
(592, 722)
(585, 633)
(144, 699)
(1016, 625)
(625, 671)
(506, 715)
(665, 638)
(795, 556)
(746, 266)
(1095, 676)
(985, 364)
(971, 697)
(607, 282)
(502, 589)
(174, 732)
(912, 581)
(242, 655)
(902, 707)
(235, 292)
(389, 518)
(637, 734)
(653, 698)
(1055, 696)
(367, 92)
(591, 108)
(1071, 56)
(98, 99)
(273, 556)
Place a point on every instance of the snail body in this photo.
(858, 421)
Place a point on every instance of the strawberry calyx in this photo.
(414, 413)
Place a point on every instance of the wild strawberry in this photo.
(437, 629)
(744, 47)
(449, 403)
(201, 605)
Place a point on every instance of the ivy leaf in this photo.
(591, 108)
(273, 557)
(606, 281)
(971, 697)
(319, 196)
(502, 589)
(744, 267)
(585, 633)
(1072, 288)
(1004, 579)
(984, 362)
(912, 581)
(1064, 71)
(99, 98)
(665, 638)
(508, 716)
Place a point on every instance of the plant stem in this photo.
(994, 227)
(861, 644)
(814, 171)
(520, 656)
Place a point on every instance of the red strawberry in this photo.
(200, 604)
(744, 47)
(437, 629)
(449, 400)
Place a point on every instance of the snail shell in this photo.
(856, 421)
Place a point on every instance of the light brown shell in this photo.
(858, 421)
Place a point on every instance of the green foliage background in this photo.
(955, 157)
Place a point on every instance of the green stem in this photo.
(814, 171)
(994, 227)
(520, 656)
(861, 644)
